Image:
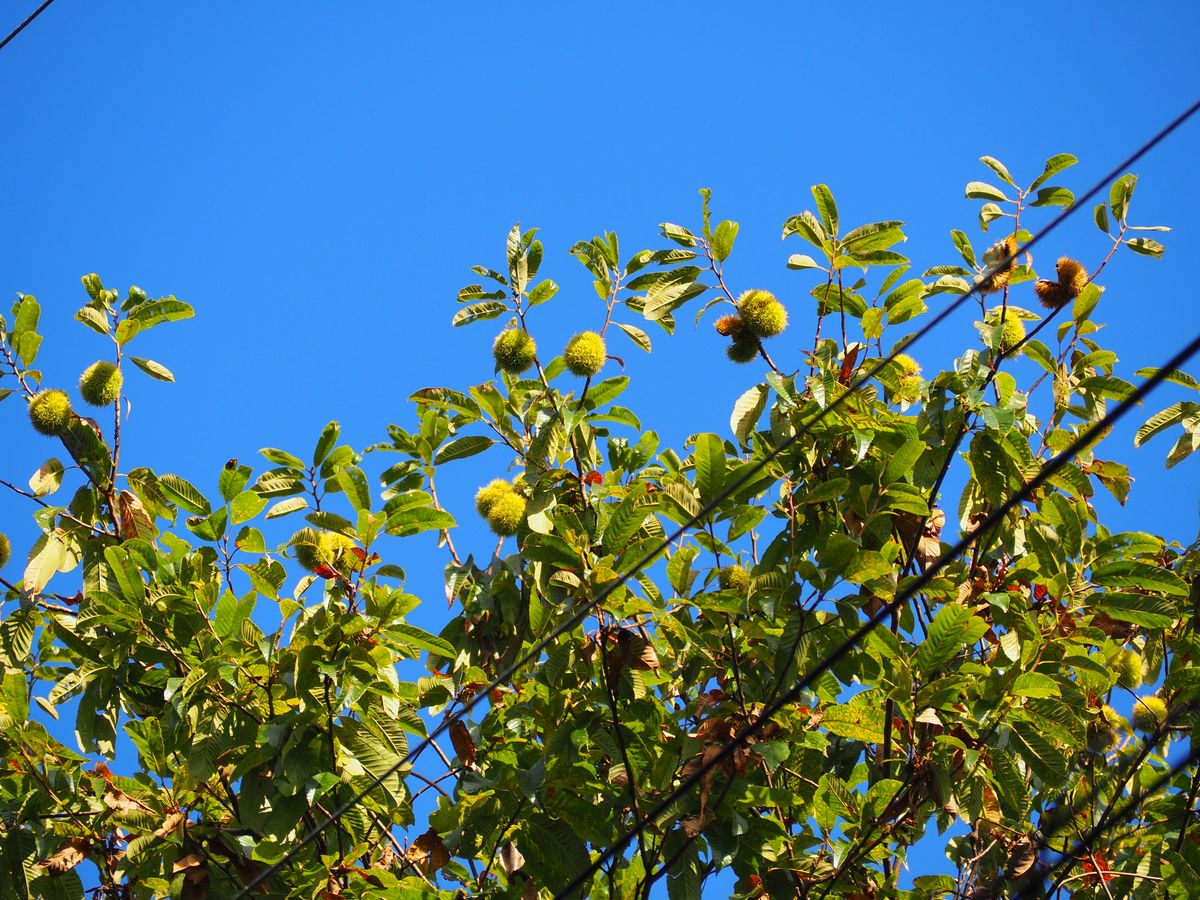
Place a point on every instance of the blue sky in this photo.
(316, 180)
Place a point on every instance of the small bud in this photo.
(91, 284)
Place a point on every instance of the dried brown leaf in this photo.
(510, 858)
(464, 745)
(117, 799)
(134, 520)
(428, 852)
(1021, 857)
(172, 821)
(67, 858)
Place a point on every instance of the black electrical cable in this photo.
(1086, 437)
(33, 15)
(577, 617)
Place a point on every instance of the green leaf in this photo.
(867, 565)
(826, 208)
(1140, 609)
(1119, 196)
(1054, 165)
(542, 292)
(152, 368)
(289, 505)
(183, 494)
(414, 520)
(281, 458)
(710, 466)
(246, 506)
(1133, 573)
(1100, 216)
(354, 483)
(1035, 685)
(979, 190)
(462, 448)
(419, 639)
(156, 311)
(1043, 760)
(609, 389)
(860, 719)
(803, 261)
(1054, 196)
(1145, 246)
(626, 519)
(722, 240)
(128, 578)
(47, 479)
(47, 555)
(678, 234)
(445, 398)
(988, 213)
(998, 167)
(1175, 377)
(93, 319)
(963, 244)
(26, 316)
(127, 330)
(326, 442)
(944, 639)
(637, 335)
(477, 312)
(746, 412)
(901, 462)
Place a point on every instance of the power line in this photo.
(33, 15)
(1110, 819)
(577, 617)
(889, 609)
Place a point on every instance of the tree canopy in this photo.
(248, 637)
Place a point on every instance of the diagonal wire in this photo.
(1086, 437)
(29, 19)
(1113, 816)
(577, 617)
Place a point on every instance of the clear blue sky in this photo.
(316, 179)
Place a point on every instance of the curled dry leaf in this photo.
(510, 858)
(117, 799)
(464, 745)
(67, 858)
(135, 522)
(1021, 857)
(694, 824)
(172, 821)
(428, 852)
